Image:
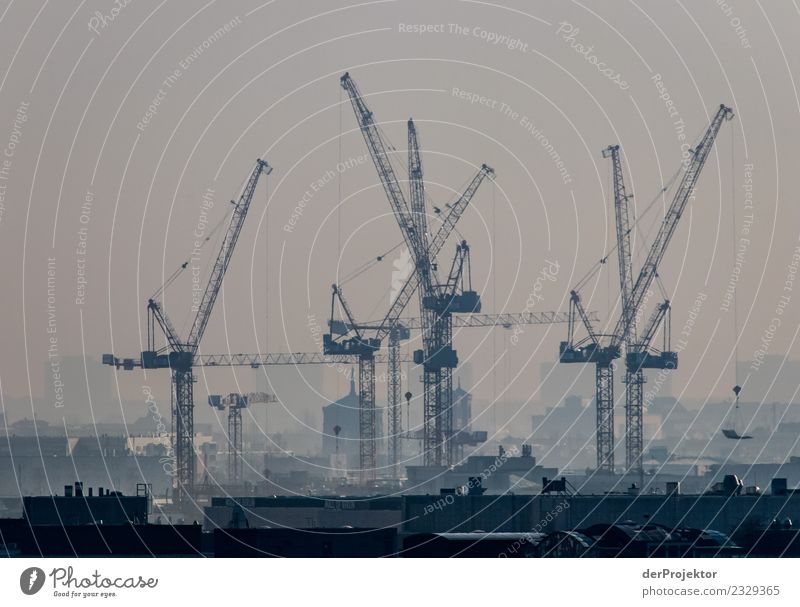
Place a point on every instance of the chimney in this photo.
(67, 490)
(78, 489)
(99, 492)
(90, 492)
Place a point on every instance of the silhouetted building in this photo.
(462, 409)
(302, 512)
(83, 507)
(646, 541)
(344, 414)
(565, 432)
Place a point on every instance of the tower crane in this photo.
(438, 357)
(364, 348)
(593, 351)
(397, 331)
(416, 188)
(252, 360)
(438, 302)
(414, 234)
(640, 354)
(404, 327)
(235, 403)
(178, 354)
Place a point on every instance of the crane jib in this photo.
(224, 256)
(670, 222)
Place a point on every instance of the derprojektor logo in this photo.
(31, 580)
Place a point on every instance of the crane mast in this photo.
(623, 225)
(389, 324)
(417, 247)
(411, 220)
(380, 158)
(435, 329)
(180, 357)
(397, 332)
(594, 351)
(638, 358)
(437, 355)
(625, 267)
(394, 395)
(456, 295)
(413, 238)
(418, 211)
(632, 294)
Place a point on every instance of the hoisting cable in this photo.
(179, 270)
(733, 432)
(600, 262)
(205, 240)
(367, 265)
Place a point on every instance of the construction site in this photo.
(418, 307)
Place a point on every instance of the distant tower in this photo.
(462, 416)
(344, 414)
(462, 409)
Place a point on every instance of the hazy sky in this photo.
(114, 125)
